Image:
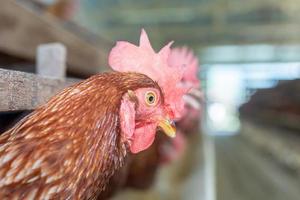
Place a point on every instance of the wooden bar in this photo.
(25, 91)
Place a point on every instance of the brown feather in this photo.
(71, 146)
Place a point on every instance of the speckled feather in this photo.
(71, 146)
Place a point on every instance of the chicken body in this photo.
(70, 147)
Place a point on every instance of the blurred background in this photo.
(247, 144)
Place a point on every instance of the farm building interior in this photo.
(236, 141)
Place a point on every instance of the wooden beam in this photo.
(25, 91)
(22, 30)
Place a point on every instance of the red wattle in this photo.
(143, 137)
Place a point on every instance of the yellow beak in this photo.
(168, 127)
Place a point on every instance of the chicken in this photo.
(184, 56)
(70, 147)
(190, 120)
(64, 9)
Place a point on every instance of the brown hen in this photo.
(71, 146)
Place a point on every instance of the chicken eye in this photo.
(150, 98)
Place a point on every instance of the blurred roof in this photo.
(197, 23)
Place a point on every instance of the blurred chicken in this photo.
(187, 144)
(70, 147)
(189, 122)
(185, 57)
(64, 9)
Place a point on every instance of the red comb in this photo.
(185, 57)
(126, 57)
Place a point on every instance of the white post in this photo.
(51, 60)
